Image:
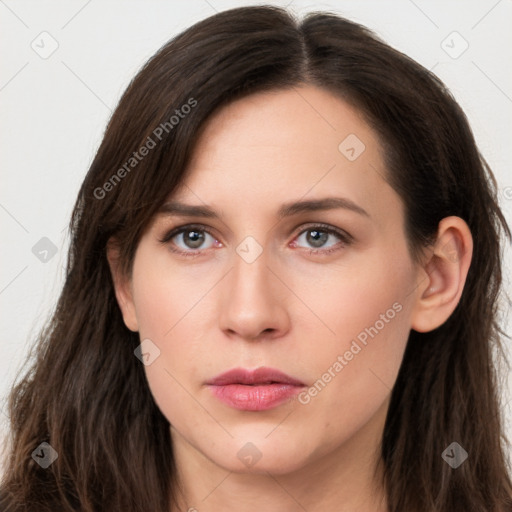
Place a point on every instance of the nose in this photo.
(254, 301)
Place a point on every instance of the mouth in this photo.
(254, 390)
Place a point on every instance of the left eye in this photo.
(317, 237)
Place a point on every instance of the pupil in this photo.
(317, 242)
(194, 238)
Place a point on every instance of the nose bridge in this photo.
(252, 302)
(250, 276)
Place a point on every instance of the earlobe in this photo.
(122, 287)
(443, 275)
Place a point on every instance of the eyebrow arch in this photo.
(286, 210)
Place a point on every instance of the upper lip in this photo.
(260, 375)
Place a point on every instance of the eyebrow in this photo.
(286, 210)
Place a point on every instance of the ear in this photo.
(122, 286)
(443, 275)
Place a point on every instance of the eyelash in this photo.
(345, 238)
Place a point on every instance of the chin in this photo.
(259, 455)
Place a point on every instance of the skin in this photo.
(288, 309)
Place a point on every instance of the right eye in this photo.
(189, 239)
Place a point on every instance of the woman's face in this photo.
(300, 267)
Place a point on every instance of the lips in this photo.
(259, 376)
(254, 390)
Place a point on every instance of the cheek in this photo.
(164, 293)
(164, 317)
(169, 311)
(362, 294)
(352, 347)
(365, 310)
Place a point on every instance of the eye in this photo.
(188, 239)
(318, 235)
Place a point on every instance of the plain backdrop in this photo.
(65, 64)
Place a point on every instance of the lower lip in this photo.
(255, 398)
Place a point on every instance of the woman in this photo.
(281, 291)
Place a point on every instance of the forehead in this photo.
(300, 122)
(276, 146)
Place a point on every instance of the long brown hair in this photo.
(86, 394)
